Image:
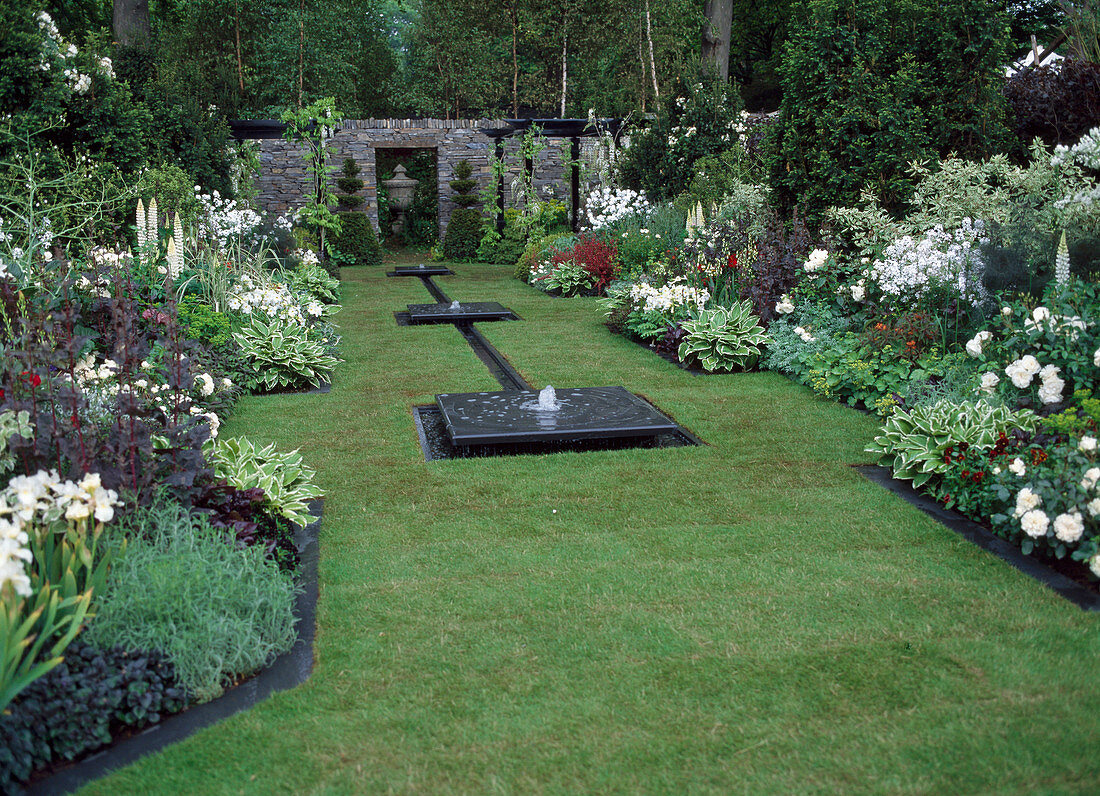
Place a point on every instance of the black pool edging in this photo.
(323, 387)
(984, 538)
(508, 377)
(436, 445)
(290, 669)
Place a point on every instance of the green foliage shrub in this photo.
(870, 87)
(74, 709)
(464, 228)
(696, 122)
(463, 235)
(357, 240)
(217, 612)
(201, 322)
(503, 247)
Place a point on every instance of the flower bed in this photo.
(147, 562)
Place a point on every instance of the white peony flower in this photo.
(1069, 527)
(1087, 444)
(1035, 523)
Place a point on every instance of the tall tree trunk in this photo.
(641, 84)
(652, 60)
(301, 47)
(130, 21)
(564, 72)
(716, 35)
(513, 16)
(237, 31)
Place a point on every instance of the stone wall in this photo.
(283, 182)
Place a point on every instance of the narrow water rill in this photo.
(521, 418)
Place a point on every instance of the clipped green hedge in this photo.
(357, 239)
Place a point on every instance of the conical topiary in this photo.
(464, 228)
(357, 239)
(350, 184)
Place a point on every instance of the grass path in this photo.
(749, 616)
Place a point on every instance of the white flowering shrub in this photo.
(275, 300)
(933, 268)
(648, 312)
(101, 388)
(232, 222)
(607, 206)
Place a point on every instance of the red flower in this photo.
(731, 262)
(33, 379)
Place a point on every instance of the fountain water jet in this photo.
(548, 399)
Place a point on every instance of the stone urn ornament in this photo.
(401, 190)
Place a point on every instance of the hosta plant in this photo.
(286, 481)
(916, 443)
(312, 279)
(569, 277)
(283, 354)
(723, 338)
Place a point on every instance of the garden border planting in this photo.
(290, 669)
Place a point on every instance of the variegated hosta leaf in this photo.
(721, 338)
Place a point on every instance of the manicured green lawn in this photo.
(749, 616)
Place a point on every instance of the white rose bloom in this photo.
(1022, 370)
(1094, 565)
(1093, 507)
(1092, 475)
(1087, 444)
(1035, 523)
(974, 347)
(784, 305)
(1096, 358)
(1017, 467)
(1026, 500)
(989, 381)
(1069, 527)
(858, 293)
(1051, 390)
(1006, 311)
